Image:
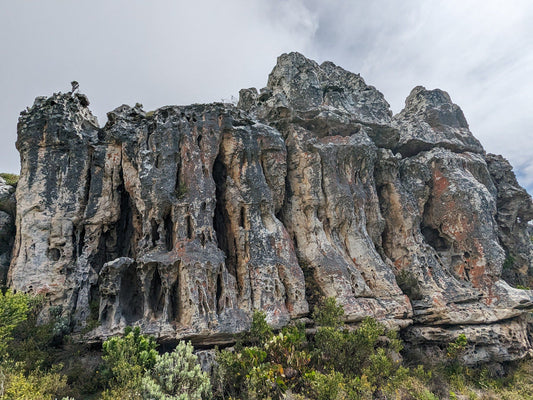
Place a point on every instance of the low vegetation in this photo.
(331, 361)
(11, 179)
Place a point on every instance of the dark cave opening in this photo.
(103, 253)
(78, 239)
(131, 298)
(221, 218)
(434, 239)
(313, 293)
(81, 241)
(87, 188)
(155, 298)
(54, 254)
(94, 303)
(124, 227)
(219, 293)
(155, 232)
(242, 219)
(190, 230)
(169, 231)
(175, 303)
(178, 186)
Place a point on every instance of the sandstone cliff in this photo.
(186, 219)
(7, 227)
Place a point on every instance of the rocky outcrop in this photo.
(185, 220)
(332, 121)
(164, 220)
(325, 99)
(514, 211)
(7, 227)
(429, 120)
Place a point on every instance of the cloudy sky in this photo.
(163, 52)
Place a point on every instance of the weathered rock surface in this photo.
(7, 227)
(8, 202)
(331, 120)
(515, 209)
(325, 99)
(187, 219)
(429, 120)
(500, 342)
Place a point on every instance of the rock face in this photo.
(7, 227)
(429, 120)
(514, 211)
(187, 219)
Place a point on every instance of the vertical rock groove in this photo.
(220, 218)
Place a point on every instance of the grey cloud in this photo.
(481, 52)
(178, 52)
(156, 53)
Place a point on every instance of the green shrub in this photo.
(260, 332)
(508, 263)
(36, 385)
(331, 386)
(176, 376)
(35, 343)
(264, 369)
(14, 309)
(127, 358)
(265, 381)
(520, 384)
(287, 348)
(11, 179)
(415, 385)
(131, 392)
(336, 386)
(247, 373)
(83, 372)
(457, 347)
(181, 191)
(331, 350)
(328, 313)
(384, 372)
(344, 350)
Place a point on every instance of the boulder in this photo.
(429, 120)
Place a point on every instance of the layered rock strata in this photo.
(187, 219)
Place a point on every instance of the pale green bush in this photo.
(128, 358)
(176, 376)
(14, 309)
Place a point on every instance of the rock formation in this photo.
(187, 219)
(514, 211)
(7, 227)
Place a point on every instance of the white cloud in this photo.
(179, 52)
(481, 52)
